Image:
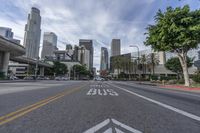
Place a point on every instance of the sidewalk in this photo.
(180, 87)
(172, 87)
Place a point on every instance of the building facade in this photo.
(84, 57)
(32, 33)
(104, 59)
(115, 47)
(8, 34)
(88, 44)
(68, 47)
(49, 44)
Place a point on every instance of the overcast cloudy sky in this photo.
(100, 20)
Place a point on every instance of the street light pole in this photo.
(36, 67)
(37, 61)
(138, 51)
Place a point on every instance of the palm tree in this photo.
(117, 64)
(152, 61)
(143, 61)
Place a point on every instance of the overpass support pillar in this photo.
(41, 71)
(4, 60)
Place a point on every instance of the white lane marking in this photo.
(94, 92)
(104, 92)
(90, 92)
(99, 92)
(109, 130)
(118, 131)
(125, 126)
(161, 89)
(113, 125)
(112, 92)
(98, 126)
(192, 116)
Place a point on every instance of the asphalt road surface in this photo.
(96, 107)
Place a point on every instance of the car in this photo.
(64, 78)
(58, 78)
(13, 78)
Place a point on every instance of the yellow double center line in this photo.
(14, 115)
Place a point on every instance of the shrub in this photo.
(196, 78)
(164, 78)
(154, 77)
(181, 81)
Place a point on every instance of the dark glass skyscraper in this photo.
(104, 59)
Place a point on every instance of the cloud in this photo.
(100, 20)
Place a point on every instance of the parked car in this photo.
(65, 78)
(61, 78)
(13, 78)
(58, 78)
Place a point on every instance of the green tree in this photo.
(152, 61)
(59, 68)
(80, 70)
(117, 63)
(143, 61)
(174, 64)
(175, 30)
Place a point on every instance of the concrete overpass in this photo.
(8, 49)
(33, 62)
(12, 51)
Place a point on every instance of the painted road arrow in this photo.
(112, 126)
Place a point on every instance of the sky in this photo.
(100, 20)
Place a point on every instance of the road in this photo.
(96, 107)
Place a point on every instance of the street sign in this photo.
(112, 126)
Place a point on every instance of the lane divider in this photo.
(179, 111)
(21, 112)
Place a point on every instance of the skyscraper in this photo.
(104, 59)
(32, 33)
(68, 47)
(84, 56)
(49, 44)
(88, 44)
(115, 47)
(8, 34)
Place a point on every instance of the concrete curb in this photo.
(16, 81)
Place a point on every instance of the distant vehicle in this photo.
(61, 78)
(14, 78)
(40, 78)
(46, 78)
(98, 79)
(58, 78)
(64, 78)
(28, 78)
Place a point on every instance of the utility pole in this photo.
(138, 58)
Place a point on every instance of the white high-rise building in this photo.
(32, 33)
(84, 56)
(49, 44)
